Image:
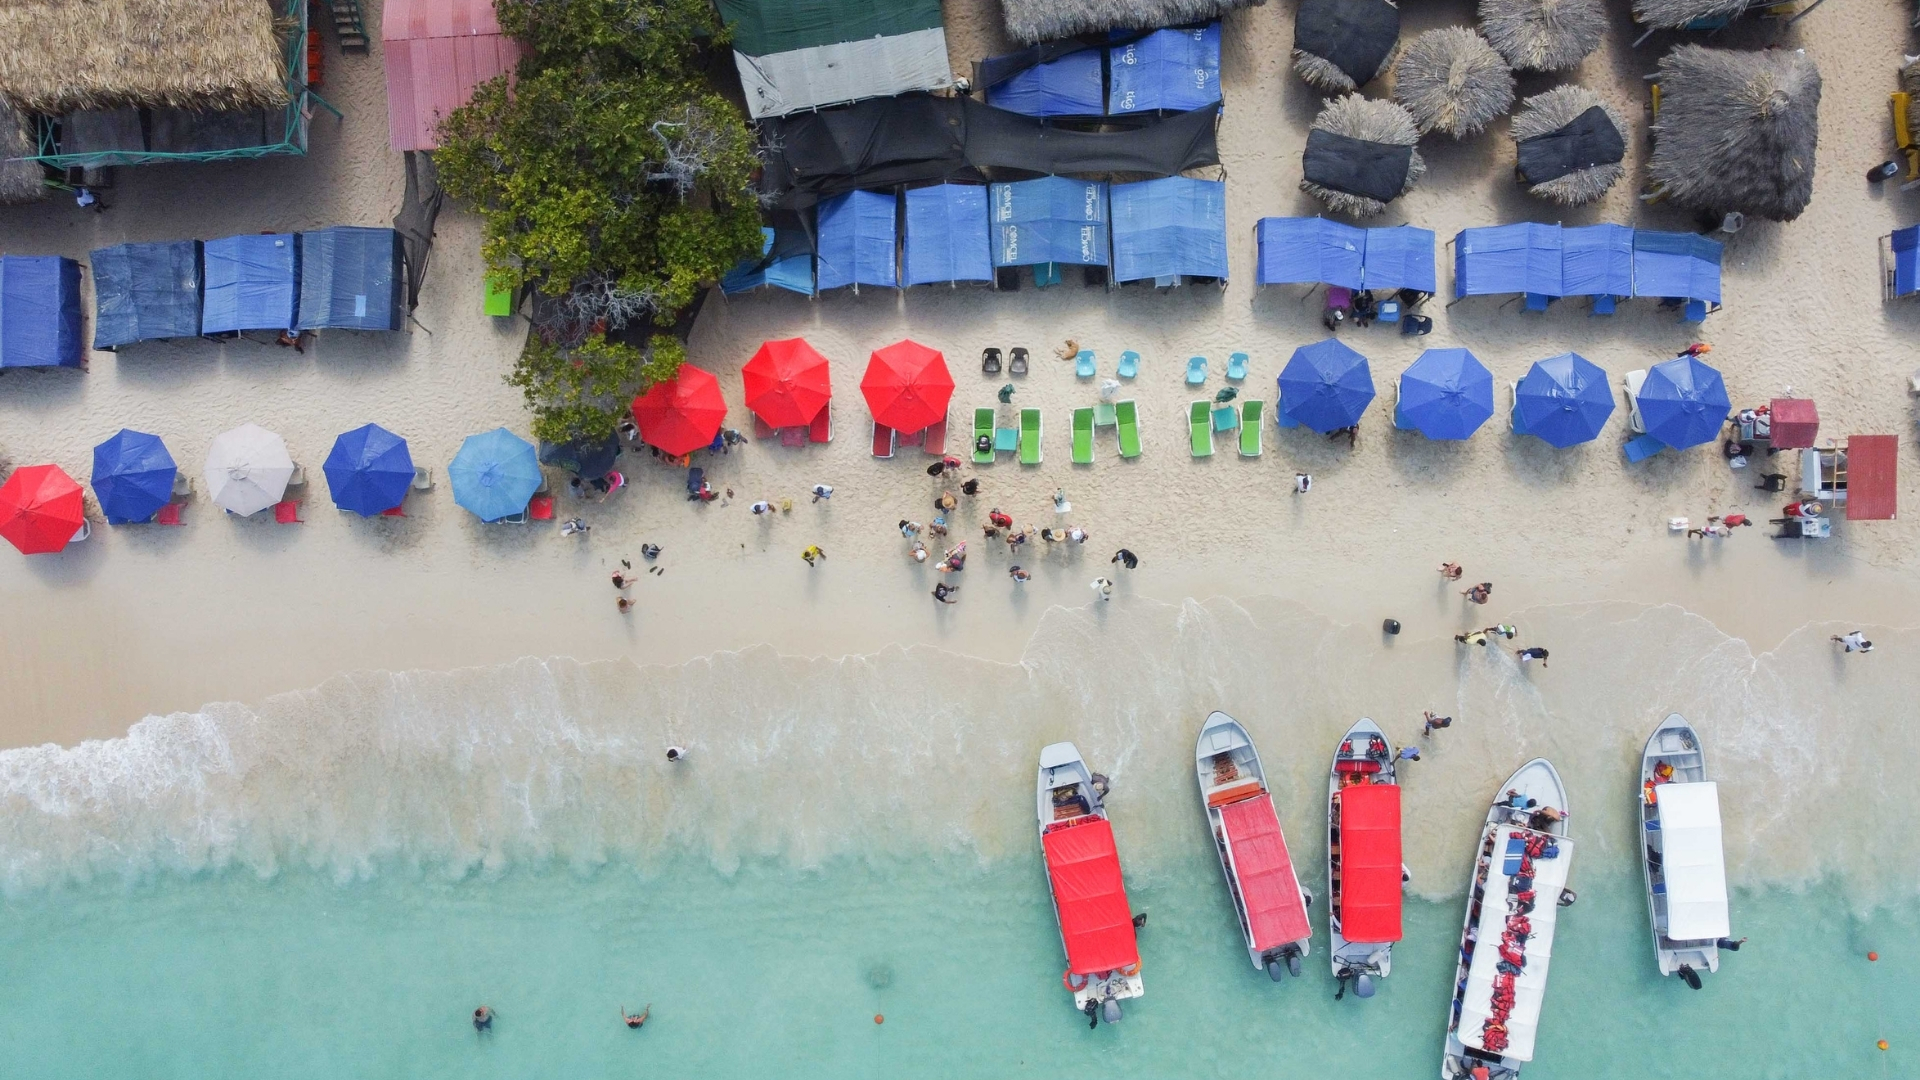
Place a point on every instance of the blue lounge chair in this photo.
(1694, 312)
(1603, 305)
(1642, 447)
(1538, 301)
(1196, 370)
(1129, 364)
(1083, 364)
(1237, 366)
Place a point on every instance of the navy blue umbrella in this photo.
(1447, 394)
(369, 470)
(1683, 402)
(1563, 400)
(1325, 386)
(133, 476)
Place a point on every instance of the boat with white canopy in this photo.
(1364, 871)
(1683, 860)
(1083, 876)
(1253, 853)
(1506, 941)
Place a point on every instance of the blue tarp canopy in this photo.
(1049, 220)
(947, 235)
(350, 279)
(1176, 70)
(133, 476)
(856, 240)
(790, 267)
(1683, 402)
(1446, 394)
(1679, 266)
(143, 292)
(1906, 260)
(1309, 251)
(39, 311)
(1168, 227)
(252, 283)
(1325, 386)
(369, 470)
(1597, 260)
(1069, 86)
(1563, 400)
(1400, 257)
(1519, 258)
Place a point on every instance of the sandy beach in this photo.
(140, 621)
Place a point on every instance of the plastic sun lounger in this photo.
(1083, 364)
(934, 439)
(1635, 380)
(1200, 428)
(1225, 418)
(1126, 421)
(821, 430)
(1129, 365)
(762, 429)
(1237, 366)
(1029, 436)
(1104, 415)
(1642, 447)
(1083, 436)
(882, 440)
(1250, 427)
(1196, 370)
(982, 428)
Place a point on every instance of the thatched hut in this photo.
(1361, 155)
(1341, 45)
(1569, 145)
(1675, 14)
(58, 57)
(1736, 130)
(1033, 21)
(20, 180)
(1543, 35)
(1452, 81)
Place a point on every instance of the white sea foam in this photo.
(910, 750)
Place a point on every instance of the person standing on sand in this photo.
(620, 580)
(1125, 558)
(970, 487)
(1302, 483)
(1854, 641)
(909, 529)
(1451, 571)
(1019, 575)
(761, 507)
(1076, 534)
(676, 754)
(1103, 586)
(944, 592)
(1434, 723)
(634, 1022)
(812, 555)
(918, 552)
(1479, 593)
(625, 605)
(1534, 653)
(822, 491)
(999, 520)
(1408, 753)
(1478, 637)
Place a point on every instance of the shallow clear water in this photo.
(325, 885)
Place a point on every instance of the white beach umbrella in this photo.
(248, 469)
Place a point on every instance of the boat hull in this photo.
(1224, 744)
(1675, 743)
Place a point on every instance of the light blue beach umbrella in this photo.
(133, 476)
(1446, 394)
(369, 470)
(494, 474)
(1684, 402)
(1325, 386)
(1564, 400)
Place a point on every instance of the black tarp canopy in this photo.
(1355, 36)
(1356, 166)
(1590, 140)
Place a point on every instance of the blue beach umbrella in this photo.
(1683, 402)
(494, 474)
(133, 476)
(1563, 400)
(1447, 394)
(368, 470)
(1325, 386)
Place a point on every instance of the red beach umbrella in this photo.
(787, 383)
(682, 414)
(40, 509)
(907, 386)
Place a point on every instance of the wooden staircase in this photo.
(348, 24)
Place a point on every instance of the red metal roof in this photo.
(1873, 473)
(437, 51)
(1795, 423)
(1370, 862)
(1095, 922)
(1267, 883)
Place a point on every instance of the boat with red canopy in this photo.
(1253, 851)
(1089, 898)
(1364, 871)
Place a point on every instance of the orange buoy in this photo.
(878, 1019)
(1882, 1044)
(1873, 956)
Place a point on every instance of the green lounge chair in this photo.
(982, 428)
(1083, 436)
(1200, 427)
(1126, 422)
(1029, 436)
(1250, 411)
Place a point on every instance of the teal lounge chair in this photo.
(1196, 370)
(1083, 436)
(1083, 364)
(1200, 428)
(1129, 364)
(1126, 421)
(1029, 436)
(1225, 418)
(1250, 427)
(1104, 415)
(982, 428)
(1237, 366)
(1006, 440)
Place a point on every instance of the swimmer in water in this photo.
(635, 1020)
(483, 1019)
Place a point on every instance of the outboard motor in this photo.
(1273, 969)
(1293, 963)
(1110, 1010)
(1689, 976)
(1363, 985)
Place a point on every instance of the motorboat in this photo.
(1253, 851)
(1685, 867)
(1089, 898)
(1364, 871)
(1519, 884)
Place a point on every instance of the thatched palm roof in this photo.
(1737, 130)
(1031, 21)
(1543, 35)
(1452, 81)
(1674, 14)
(1544, 114)
(57, 56)
(1369, 121)
(20, 181)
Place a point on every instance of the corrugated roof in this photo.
(437, 51)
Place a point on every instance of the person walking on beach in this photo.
(970, 487)
(1019, 575)
(1854, 641)
(1479, 593)
(483, 1019)
(813, 554)
(623, 603)
(998, 519)
(1015, 539)
(918, 552)
(574, 526)
(1060, 503)
(1478, 637)
(1408, 753)
(634, 1021)
(944, 592)
(1103, 586)
(1302, 483)
(1451, 571)
(1434, 723)
(1534, 653)
(1076, 534)
(621, 580)
(822, 491)
(1125, 558)
(946, 502)
(909, 529)
(761, 507)
(676, 754)
(1505, 630)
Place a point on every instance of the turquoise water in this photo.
(327, 883)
